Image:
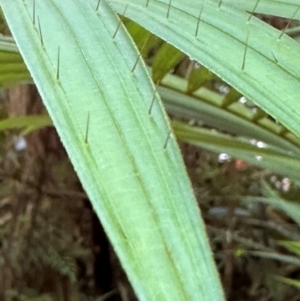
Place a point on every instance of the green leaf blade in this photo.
(250, 55)
(138, 187)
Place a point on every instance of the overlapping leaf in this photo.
(253, 57)
(98, 96)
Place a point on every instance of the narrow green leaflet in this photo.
(181, 105)
(288, 281)
(29, 123)
(292, 209)
(143, 39)
(198, 78)
(253, 57)
(166, 58)
(101, 100)
(231, 97)
(12, 68)
(269, 157)
(276, 256)
(292, 246)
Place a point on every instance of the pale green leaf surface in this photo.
(138, 188)
(281, 8)
(247, 54)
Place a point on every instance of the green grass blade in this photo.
(292, 209)
(271, 158)
(100, 106)
(12, 68)
(166, 58)
(288, 281)
(181, 105)
(292, 246)
(28, 123)
(198, 78)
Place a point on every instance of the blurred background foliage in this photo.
(243, 165)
